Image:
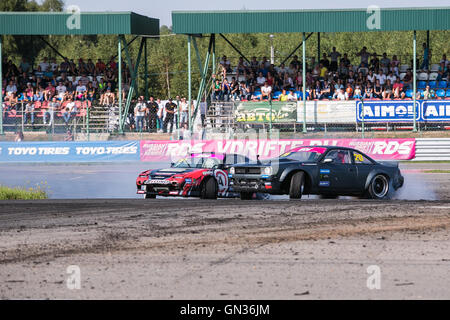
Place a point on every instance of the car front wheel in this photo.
(297, 185)
(209, 189)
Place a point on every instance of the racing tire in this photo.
(379, 187)
(149, 196)
(209, 189)
(246, 195)
(297, 185)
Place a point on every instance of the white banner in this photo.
(327, 111)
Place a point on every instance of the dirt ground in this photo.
(225, 249)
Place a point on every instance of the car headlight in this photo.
(267, 171)
(232, 170)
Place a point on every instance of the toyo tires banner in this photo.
(98, 151)
(381, 149)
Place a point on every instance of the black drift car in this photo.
(321, 170)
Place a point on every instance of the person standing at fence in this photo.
(184, 109)
(426, 57)
(29, 111)
(153, 109)
(50, 112)
(203, 108)
(160, 115)
(139, 114)
(170, 112)
(71, 110)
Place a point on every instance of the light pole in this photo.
(272, 52)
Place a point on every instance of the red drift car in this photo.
(201, 175)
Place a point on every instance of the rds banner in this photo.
(104, 151)
(402, 110)
(170, 150)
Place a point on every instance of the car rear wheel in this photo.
(246, 195)
(379, 187)
(209, 189)
(297, 185)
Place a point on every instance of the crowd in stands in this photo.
(64, 89)
(333, 77)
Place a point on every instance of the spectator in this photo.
(357, 94)
(426, 52)
(428, 93)
(203, 107)
(50, 111)
(29, 112)
(381, 77)
(334, 55)
(139, 114)
(398, 89)
(70, 111)
(291, 96)
(170, 111)
(266, 91)
(368, 91)
(378, 90)
(44, 65)
(80, 91)
(225, 91)
(364, 57)
(153, 108)
(160, 115)
(260, 80)
(217, 88)
(387, 91)
(244, 91)
(184, 109)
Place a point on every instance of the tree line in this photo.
(167, 55)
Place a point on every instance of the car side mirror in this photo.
(327, 160)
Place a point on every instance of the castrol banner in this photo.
(379, 149)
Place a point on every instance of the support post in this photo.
(1, 89)
(119, 68)
(189, 81)
(318, 47)
(199, 61)
(304, 82)
(414, 82)
(145, 70)
(213, 38)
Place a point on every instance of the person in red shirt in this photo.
(398, 90)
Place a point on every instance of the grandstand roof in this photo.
(55, 23)
(333, 20)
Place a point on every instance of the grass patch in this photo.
(18, 193)
(437, 171)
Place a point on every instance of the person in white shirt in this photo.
(61, 91)
(391, 77)
(80, 91)
(371, 77)
(266, 91)
(71, 110)
(184, 109)
(291, 96)
(139, 114)
(11, 89)
(54, 66)
(260, 80)
(44, 65)
(381, 77)
(160, 114)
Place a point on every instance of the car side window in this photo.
(360, 159)
(338, 156)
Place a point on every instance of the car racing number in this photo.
(222, 182)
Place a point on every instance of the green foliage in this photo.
(18, 193)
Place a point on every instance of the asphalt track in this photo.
(222, 249)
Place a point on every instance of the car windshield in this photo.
(198, 161)
(304, 154)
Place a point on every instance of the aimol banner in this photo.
(104, 151)
(403, 111)
(382, 149)
(262, 112)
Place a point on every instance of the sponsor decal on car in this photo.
(324, 170)
(157, 181)
(324, 183)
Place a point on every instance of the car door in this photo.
(363, 167)
(337, 172)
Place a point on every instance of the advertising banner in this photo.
(104, 151)
(325, 111)
(381, 149)
(401, 111)
(260, 112)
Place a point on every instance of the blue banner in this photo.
(435, 110)
(59, 151)
(402, 111)
(387, 111)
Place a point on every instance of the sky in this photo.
(162, 9)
